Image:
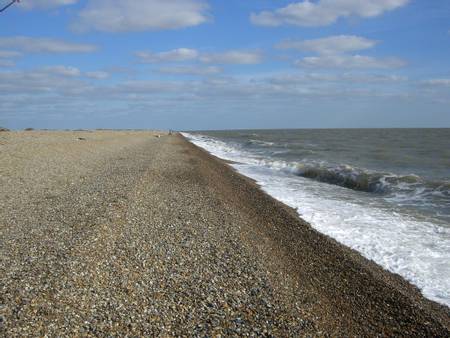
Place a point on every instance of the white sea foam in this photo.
(417, 249)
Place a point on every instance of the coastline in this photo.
(238, 234)
(335, 265)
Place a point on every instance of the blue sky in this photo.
(204, 64)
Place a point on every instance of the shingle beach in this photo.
(135, 233)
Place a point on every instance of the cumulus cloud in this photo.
(190, 70)
(349, 62)
(175, 55)
(7, 63)
(9, 54)
(438, 82)
(333, 78)
(98, 75)
(35, 82)
(65, 80)
(62, 71)
(44, 45)
(125, 16)
(335, 52)
(45, 4)
(233, 57)
(71, 83)
(60, 90)
(330, 45)
(324, 12)
(186, 54)
(374, 78)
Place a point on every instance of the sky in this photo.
(234, 64)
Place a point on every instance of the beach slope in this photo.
(125, 233)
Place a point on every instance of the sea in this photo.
(382, 192)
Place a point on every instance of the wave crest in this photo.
(370, 181)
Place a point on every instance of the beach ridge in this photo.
(142, 233)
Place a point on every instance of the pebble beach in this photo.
(138, 233)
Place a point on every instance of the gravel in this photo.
(112, 233)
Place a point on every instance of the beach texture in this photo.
(111, 233)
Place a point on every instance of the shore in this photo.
(125, 233)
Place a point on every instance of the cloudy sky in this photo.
(215, 64)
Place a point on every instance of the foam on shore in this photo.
(416, 249)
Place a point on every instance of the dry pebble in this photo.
(128, 234)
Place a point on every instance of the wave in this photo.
(369, 181)
(259, 143)
(415, 247)
(405, 188)
(382, 183)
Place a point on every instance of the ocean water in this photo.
(382, 192)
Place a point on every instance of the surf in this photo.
(360, 208)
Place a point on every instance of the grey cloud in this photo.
(175, 55)
(234, 57)
(98, 75)
(243, 57)
(349, 62)
(190, 70)
(9, 54)
(44, 45)
(330, 45)
(44, 4)
(438, 82)
(7, 63)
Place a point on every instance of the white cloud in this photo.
(233, 57)
(45, 4)
(333, 78)
(9, 54)
(324, 12)
(330, 45)
(70, 83)
(98, 75)
(7, 63)
(44, 92)
(373, 78)
(334, 52)
(438, 82)
(125, 16)
(44, 45)
(186, 54)
(6, 57)
(52, 79)
(34, 82)
(349, 62)
(62, 71)
(175, 55)
(190, 70)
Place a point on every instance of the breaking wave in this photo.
(402, 187)
(413, 244)
(369, 181)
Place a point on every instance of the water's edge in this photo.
(391, 249)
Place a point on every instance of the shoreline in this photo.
(170, 220)
(388, 224)
(299, 227)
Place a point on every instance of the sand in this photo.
(114, 233)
